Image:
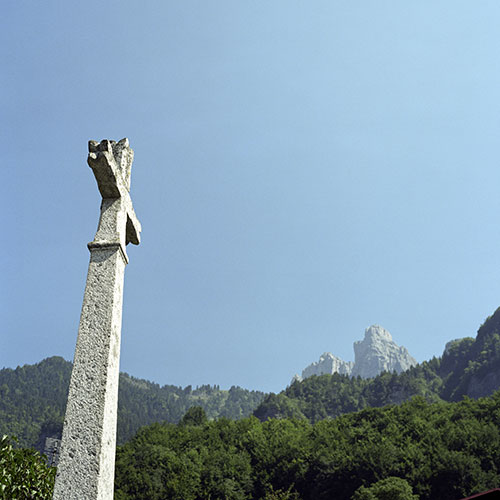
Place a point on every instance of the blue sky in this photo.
(302, 170)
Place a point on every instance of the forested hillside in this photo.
(33, 401)
(33, 397)
(432, 450)
(468, 367)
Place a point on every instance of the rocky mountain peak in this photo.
(376, 353)
(328, 363)
(376, 333)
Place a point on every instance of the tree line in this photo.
(468, 367)
(399, 452)
(33, 401)
(416, 450)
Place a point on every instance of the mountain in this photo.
(33, 401)
(472, 367)
(33, 397)
(376, 353)
(468, 367)
(328, 363)
(441, 451)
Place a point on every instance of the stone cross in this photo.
(87, 458)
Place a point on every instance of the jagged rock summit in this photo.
(328, 363)
(376, 353)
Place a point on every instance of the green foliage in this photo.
(33, 401)
(31, 396)
(469, 367)
(472, 367)
(141, 403)
(281, 495)
(453, 365)
(392, 488)
(279, 406)
(24, 474)
(326, 437)
(194, 416)
(328, 396)
(413, 450)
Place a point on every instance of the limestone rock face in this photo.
(377, 352)
(328, 363)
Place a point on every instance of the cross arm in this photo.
(133, 232)
(102, 163)
(110, 173)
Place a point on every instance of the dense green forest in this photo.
(33, 401)
(419, 449)
(33, 397)
(468, 367)
(419, 435)
(413, 435)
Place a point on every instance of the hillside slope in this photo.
(434, 451)
(33, 401)
(33, 397)
(468, 367)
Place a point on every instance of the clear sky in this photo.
(302, 170)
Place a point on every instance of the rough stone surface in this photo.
(87, 456)
(328, 363)
(376, 353)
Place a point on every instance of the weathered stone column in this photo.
(87, 459)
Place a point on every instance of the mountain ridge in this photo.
(33, 401)
(377, 352)
(468, 367)
(33, 397)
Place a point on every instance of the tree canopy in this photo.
(413, 450)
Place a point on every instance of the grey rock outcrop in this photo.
(377, 352)
(328, 363)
